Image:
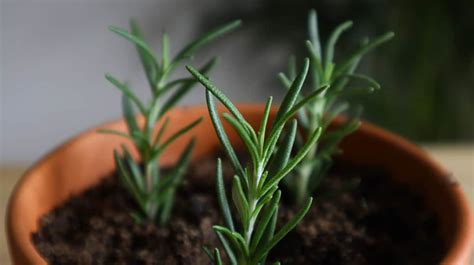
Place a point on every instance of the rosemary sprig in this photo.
(152, 191)
(320, 112)
(255, 193)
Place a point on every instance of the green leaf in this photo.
(176, 97)
(293, 162)
(153, 115)
(165, 51)
(132, 125)
(185, 88)
(242, 244)
(230, 237)
(292, 71)
(342, 68)
(284, 80)
(263, 201)
(263, 123)
(161, 131)
(333, 40)
(222, 135)
(167, 207)
(292, 94)
(114, 132)
(278, 126)
(340, 83)
(127, 180)
(373, 85)
(227, 248)
(175, 136)
(126, 92)
(134, 169)
(314, 32)
(240, 201)
(217, 93)
(316, 64)
(264, 221)
(283, 153)
(243, 134)
(129, 115)
(269, 232)
(149, 64)
(177, 82)
(207, 38)
(149, 58)
(209, 254)
(222, 197)
(333, 113)
(176, 175)
(283, 231)
(217, 257)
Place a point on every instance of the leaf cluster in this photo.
(152, 190)
(321, 111)
(255, 193)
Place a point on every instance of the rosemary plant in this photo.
(152, 191)
(255, 192)
(321, 111)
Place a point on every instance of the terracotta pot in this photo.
(84, 160)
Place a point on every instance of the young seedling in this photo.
(255, 192)
(152, 191)
(321, 111)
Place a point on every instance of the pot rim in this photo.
(457, 253)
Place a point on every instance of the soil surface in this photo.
(378, 222)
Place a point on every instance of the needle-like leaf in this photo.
(210, 36)
(217, 93)
(153, 193)
(265, 220)
(333, 40)
(185, 87)
(314, 33)
(222, 197)
(283, 153)
(293, 162)
(149, 65)
(361, 51)
(144, 50)
(318, 111)
(292, 95)
(175, 136)
(254, 189)
(126, 92)
(283, 231)
(217, 257)
(222, 135)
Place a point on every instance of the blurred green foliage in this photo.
(426, 72)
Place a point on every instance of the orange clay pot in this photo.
(83, 161)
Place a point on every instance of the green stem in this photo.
(304, 174)
(306, 169)
(253, 201)
(251, 224)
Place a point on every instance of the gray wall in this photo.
(55, 53)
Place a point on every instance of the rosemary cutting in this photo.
(255, 192)
(152, 191)
(320, 112)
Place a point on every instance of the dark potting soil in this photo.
(378, 222)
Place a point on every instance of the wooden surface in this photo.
(459, 159)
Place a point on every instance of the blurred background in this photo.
(54, 55)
